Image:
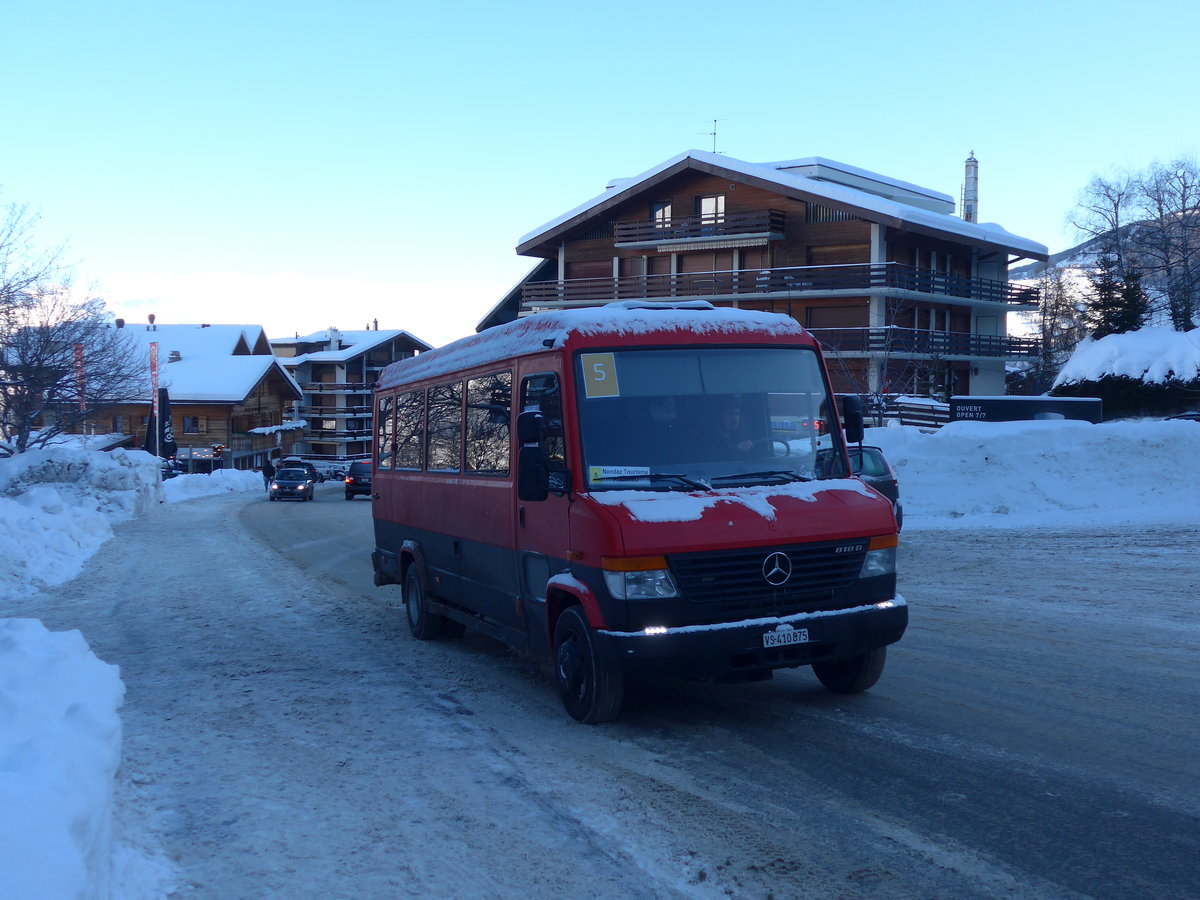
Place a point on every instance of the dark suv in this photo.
(293, 463)
(358, 480)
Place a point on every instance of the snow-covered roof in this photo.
(207, 369)
(353, 343)
(199, 340)
(868, 205)
(1153, 355)
(534, 334)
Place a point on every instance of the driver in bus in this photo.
(731, 433)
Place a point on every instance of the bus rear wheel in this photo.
(423, 624)
(591, 686)
(854, 675)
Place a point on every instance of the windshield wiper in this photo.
(786, 474)
(656, 476)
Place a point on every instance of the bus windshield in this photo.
(702, 418)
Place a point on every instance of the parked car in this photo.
(358, 480)
(293, 463)
(869, 464)
(293, 483)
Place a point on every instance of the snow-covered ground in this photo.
(60, 732)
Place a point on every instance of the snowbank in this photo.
(60, 735)
(1045, 473)
(60, 744)
(1154, 355)
(57, 506)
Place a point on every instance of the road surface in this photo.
(1035, 734)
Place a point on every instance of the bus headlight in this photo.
(881, 557)
(638, 578)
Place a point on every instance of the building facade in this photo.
(336, 372)
(907, 297)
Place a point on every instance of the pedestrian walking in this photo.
(268, 472)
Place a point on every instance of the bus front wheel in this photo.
(591, 685)
(854, 675)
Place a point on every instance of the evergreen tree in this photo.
(1117, 303)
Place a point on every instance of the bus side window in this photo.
(385, 433)
(489, 410)
(542, 393)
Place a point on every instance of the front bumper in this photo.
(735, 649)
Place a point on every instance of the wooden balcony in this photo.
(345, 387)
(335, 412)
(912, 342)
(789, 282)
(766, 222)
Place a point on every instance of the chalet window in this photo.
(711, 208)
(444, 412)
(410, 429)
(118, 424)
(193, 425)
(489, 408)
(660, 213)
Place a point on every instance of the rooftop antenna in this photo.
(713, 133)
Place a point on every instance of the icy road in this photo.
(1035, 733)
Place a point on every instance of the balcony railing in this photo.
(337, 436)
(915, 342)
(337, 412)
(680, 228)
(796, 281)
(346, 387)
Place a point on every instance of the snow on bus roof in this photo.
(534, 334)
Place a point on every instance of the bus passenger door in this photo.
(542, 525)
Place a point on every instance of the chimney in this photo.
(970, 199)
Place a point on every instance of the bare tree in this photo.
(62, 362)
(24, 270)
(1103, 212)
(1168, 236)
(1060, 325)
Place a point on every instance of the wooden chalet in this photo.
(231, 398)
(906, 296)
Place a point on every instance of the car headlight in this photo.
(881, 557)
(638, 578)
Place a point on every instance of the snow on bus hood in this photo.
(830, 510)
(675, 506)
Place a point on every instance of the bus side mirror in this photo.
(532, 481)
(531, 424)
(852, 413)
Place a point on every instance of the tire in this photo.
(591, 686)
(349, 496)
(854, 675)
(424, 625)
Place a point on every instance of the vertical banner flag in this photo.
(79, 381)
(150, 444)
(167, 448)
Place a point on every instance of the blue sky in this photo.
(299, 165)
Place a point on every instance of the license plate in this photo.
(783, 638)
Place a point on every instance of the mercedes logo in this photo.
(777, 568)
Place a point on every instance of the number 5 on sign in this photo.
(600, 375)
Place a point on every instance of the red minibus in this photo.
(636, 489)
